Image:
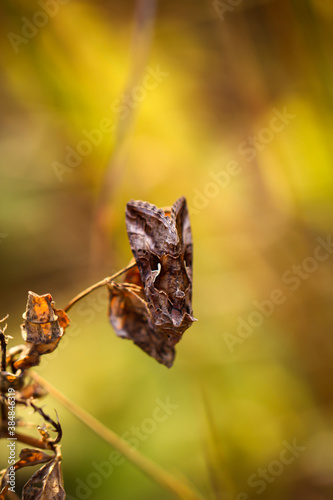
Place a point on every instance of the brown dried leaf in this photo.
(129, 317)
(50, 476)
(28, 457)
(33, 390)
(63, 319)
(29, 357)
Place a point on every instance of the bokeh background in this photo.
(260, 195)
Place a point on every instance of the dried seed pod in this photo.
(41, 333)
(41, 324)
(39, 309)
(42, 329)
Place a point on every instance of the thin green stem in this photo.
(179, 489)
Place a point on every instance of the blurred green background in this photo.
(237, 116)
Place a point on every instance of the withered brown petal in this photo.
(33, 390)
(129, 317)
(29, 357)
(28, 457)
(63, 318)
(50, 477)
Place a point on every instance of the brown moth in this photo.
(153, 307)
(162, 247)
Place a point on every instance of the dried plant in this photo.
(152, 307)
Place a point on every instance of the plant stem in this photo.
(97, 285)
(3, 345)
(29, 440)
(179, 489)
(3, 351)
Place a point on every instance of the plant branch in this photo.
(29, 440)
(91, 288)
(3, 343)
(56, 425)
(179, 489)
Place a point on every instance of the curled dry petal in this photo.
(128, 315)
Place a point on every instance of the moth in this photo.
(153, 307)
